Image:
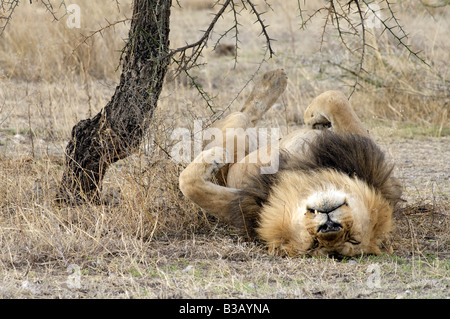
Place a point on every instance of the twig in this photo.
(368, 79)
(205, 95)
(263, 28)
(219, 114)
(187, 61)
(300, 14)
(363, 48)
(399, 38)
(93, 33)
(346, 18)
(310, 17)
(12, 6)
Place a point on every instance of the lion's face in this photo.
(333, 221)
(327, 219)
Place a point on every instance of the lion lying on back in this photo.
(332, 193)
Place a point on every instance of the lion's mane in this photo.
(353, 155)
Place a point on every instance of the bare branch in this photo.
(310, 17)
(204, 95)
(7, 8)
(345, 17)
(400, 38)
(93, 33)
(189, 54)
(5, 17)
(348, 18)
(187, 61)
(234, 27)
(363, 47)
(219, 115)
(263, 27)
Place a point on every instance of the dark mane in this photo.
(352, 154)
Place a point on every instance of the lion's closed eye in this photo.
(353, 241)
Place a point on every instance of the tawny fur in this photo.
(288, 228)
(334, 192)
(332, 108)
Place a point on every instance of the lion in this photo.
(333, 192)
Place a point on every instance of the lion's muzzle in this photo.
(326, 210)
(329, 226)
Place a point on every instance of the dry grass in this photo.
(148, 240)
(37, 48)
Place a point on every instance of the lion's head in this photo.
(324, 212)
(336, 198)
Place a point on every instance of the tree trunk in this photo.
(117, 130)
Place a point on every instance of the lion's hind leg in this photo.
(233, 135)
(196, 182)
(265, 93)
(204, 180)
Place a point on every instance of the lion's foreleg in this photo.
(332, 108)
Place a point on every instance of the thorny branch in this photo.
(349, 18)
(7, 8)
(6, 13)
(363, 47)
(339, 13)
(93, 33)
(186, 57)
(263, 27)
(187, 60)
(234, 27)
(399, 37)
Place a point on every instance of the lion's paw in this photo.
(266, 91)
(316, 120)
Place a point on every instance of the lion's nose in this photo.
(330, 226)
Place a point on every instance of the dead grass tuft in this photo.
(422, 229)
(36, 48)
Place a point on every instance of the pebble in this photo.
(19, 138)
(188, 269)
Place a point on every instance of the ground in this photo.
(212, 262)
(147, 240)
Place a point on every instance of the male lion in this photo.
(333, 192)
